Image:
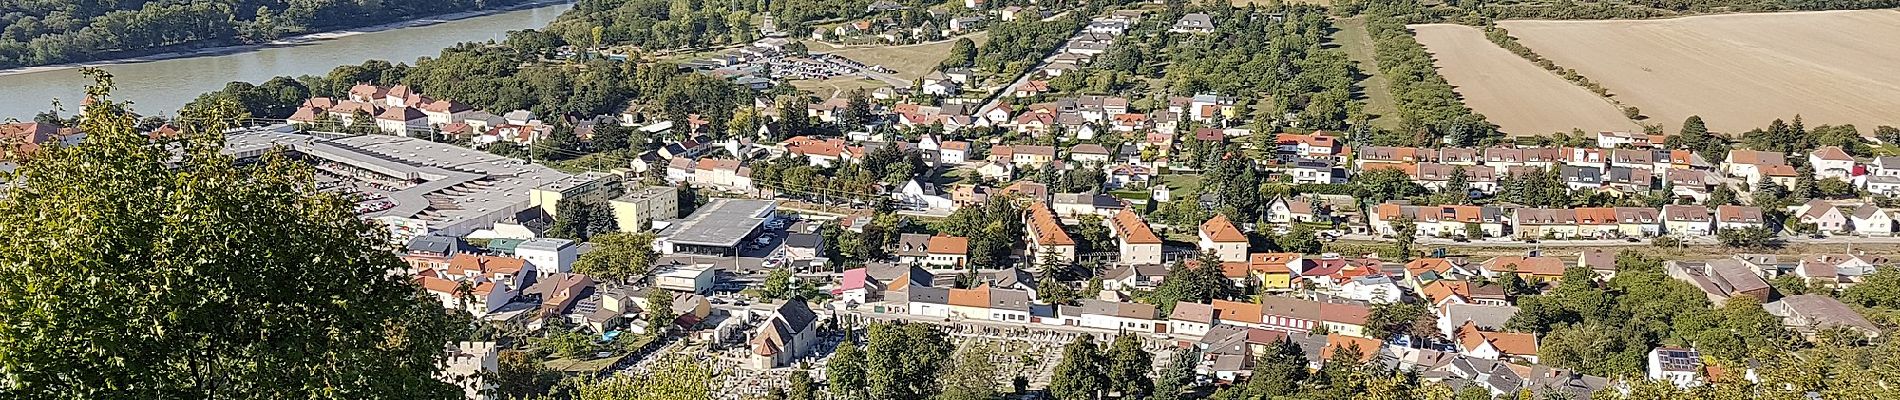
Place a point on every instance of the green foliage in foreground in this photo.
(126, 273)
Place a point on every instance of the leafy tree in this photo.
(1750, 237)
(896, 354)
(1175, 379)
(1127, 368)
(845, 371)
(1080, 375)
(135, 272)
(972, 376)
(1882, 289)
(658, 312)
(1411, 320)
(677, 377)
(520, 374)
(962, 54)
(626, 257)
(1198, 284)
(581, 219)
(1279, 372)
(801, 386)
(1405, 232)
(1300, 239)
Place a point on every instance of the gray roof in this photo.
(1485, 316)
(796, 314)
(725, 222)
(544, 244)
(435, 244)
(1013, 276)
(805, 240)
(927, 294)
(1009, 299)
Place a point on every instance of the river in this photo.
(161, 87)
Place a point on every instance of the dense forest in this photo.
(1277, 55)
(41, 32)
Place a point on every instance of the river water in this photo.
(160, 87)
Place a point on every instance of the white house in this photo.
(1826, 217)
(1831, 162)
(548, 256)
(1371, 289)
(1679, 366)
(1687, 220)
(1870, 220)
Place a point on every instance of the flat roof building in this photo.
(636, 210)
(720, 228)
(436, 188)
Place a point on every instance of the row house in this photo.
(1696, 220)
(723, 174)
(1446, 220)
(1112, 315)
(1838, 270)
(1592, 222)
(1437, 176)
(1533, 269)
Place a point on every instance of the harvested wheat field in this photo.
(1520, 97)
(1738, 71)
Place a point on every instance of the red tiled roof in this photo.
(1221, 230)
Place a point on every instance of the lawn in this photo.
(836, 86)
(1182, 185)
(910, 61)
(1353, 39)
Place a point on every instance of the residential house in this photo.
(1827, 218)
(1479, 343)
(1730, 216)
(1484, 317)
(1190, 319)
(1721, 279)
(1134, 277)
(1275, 271)
(1870, 220)
(1222, 238)
(1194, 23)
(1135, 242)
(1533, 269)
(1687, 220)
(1811, 313)
(1284, 210)
(1750, 165)
(947, 251)
(1679, 366)
(1120, 316)
(1837, 270)
(1048, 243)
(1831, 162)
(1287, 314)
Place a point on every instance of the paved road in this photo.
(1024, 77)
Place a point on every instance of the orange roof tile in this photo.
(464, 262)
(1221, 230)
(1237, 311)
(1133, 229)
(1043, 224)
(941, 244)
(1508, 343)
(1272, 263)
(1368, 348)
(978, 297)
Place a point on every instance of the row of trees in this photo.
(41, 32)
(1430, 113)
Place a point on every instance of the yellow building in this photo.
(548, 196)
(1275, 271)
(637, 210)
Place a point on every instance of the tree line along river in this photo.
(161, 87)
